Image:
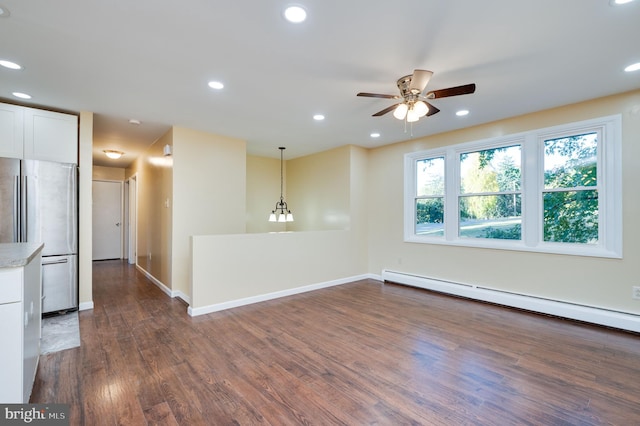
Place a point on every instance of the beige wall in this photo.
(209, 187)
(85, 232)
(263, 191)
(227, 268)
(318, 190)
(154, 182)
(584, 280)
(108, 173)
(358, 203)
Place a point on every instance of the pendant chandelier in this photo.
(281, 212)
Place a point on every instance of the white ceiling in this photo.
(151, 60)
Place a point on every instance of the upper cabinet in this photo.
(36, 134)
(11, 131)
(50, 136)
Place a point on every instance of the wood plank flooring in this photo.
(357, 354)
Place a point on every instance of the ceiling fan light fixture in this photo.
(412, 116)
(401, 111)
(421, 108)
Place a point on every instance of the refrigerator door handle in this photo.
(16, 208)
(55, 262)
(25, 217)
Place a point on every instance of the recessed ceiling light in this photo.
(375, 135)
(134, 122)
(616, 2)
(462, 112)
(216, 85)
(295, 14)
(4, 12)
(318, 117)
(10, 65)
(21, 95)
(633, 67)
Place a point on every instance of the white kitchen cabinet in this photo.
(11, 131)
(36, 134)
(20, 319)
(50, 136)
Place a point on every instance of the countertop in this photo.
(18, 254)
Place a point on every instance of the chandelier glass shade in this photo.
(281, 213)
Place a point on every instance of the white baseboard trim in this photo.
(609, 318)
(182, 296)
(157, 282)
(85, 306)
(275, 295)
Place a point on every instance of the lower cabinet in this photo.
(20, 330)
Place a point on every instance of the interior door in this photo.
(107, 220)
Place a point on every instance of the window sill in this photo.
(548, 248)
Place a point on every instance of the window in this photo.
(429, 200)
(570, 195)
(553, 190)
(490, 200)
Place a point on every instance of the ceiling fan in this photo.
(414, 104)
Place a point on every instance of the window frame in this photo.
(609, 187)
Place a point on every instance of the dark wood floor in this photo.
(356, 354)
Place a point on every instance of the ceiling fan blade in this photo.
(452, 91)
(419, 80)
(386, 110)
(432, 109)
(377, 95)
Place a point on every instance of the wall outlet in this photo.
(635, 292)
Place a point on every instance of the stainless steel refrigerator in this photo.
(39, 203)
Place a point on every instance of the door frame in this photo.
(131, 218)
(121, 210)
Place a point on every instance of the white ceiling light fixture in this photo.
(462, 112)
(618, 2)
(281, 212)
(401, 111)
(135, 122)
(21, 95)
(375, 135)
(318, 117)
(10, 65)
(633, 67)
(295, 14)
(216, 85)
(412, 115)
(4, 12)
(113, 154)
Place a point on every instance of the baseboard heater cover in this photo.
(609, 318)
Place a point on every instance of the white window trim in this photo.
(609, 190)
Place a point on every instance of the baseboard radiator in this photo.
(595, 315)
